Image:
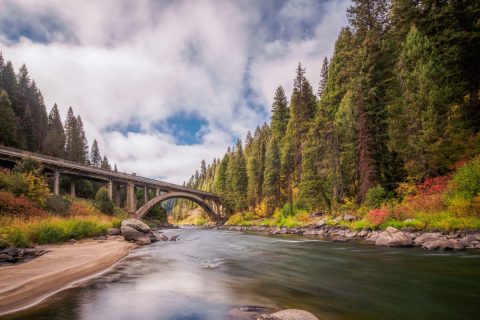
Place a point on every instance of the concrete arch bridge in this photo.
(115, 181)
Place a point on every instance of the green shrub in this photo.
(376, 196)
(120, 213)
(13, 182)
(103, 201)
(28, 165)
(58, 204)
(467, 179)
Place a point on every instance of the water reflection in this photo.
(207, 273)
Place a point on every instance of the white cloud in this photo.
(148, 60)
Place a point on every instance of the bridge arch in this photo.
(142, 211)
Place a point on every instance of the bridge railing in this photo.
(103, 172)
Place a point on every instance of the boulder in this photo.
(293, 314)
(339, 238)
(174, 238)
(431, 236)
(143, 240)
(362, 234)
(153, 237)
(113, 232)
(443, 245)
(131, 234)
(393, 237)
(6, 258)
(469, 241)
(349, 217)
(102, 238)
(136, 224)
(320, 223)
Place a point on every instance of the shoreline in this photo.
(66, 265)
(390, 237)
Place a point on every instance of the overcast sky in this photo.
(164, 84)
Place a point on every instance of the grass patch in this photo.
(23, 233)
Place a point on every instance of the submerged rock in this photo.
(393, 237)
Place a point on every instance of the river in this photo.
(207, 274)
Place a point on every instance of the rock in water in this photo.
(293, 314)
(443, 245)
(393, 237)
(136, 224)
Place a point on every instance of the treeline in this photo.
(397, 101)
(24, 122)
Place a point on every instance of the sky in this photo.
(163, 84)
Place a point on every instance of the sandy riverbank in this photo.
(27, 284)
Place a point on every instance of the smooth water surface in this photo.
(208, 272)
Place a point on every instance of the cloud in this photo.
(127, 67)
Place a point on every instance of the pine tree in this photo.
(280, 114)
(95, 156)
(239, 177)
(70, 133)
(2, 70)
(271, 181)
(105, 164)
(55, 138)
(369, 20)
(419, 119)
(82, 151)
(8, 125)
(323, 78)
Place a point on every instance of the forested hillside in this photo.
(24, 122)
(397, 104)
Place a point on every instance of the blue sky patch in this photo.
(187, 129)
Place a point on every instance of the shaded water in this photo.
(208, 272)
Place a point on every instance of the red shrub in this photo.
(18, 206)
(377, 216)
(434, 185)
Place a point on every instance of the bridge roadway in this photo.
(163, 190)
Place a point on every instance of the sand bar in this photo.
(27, 284)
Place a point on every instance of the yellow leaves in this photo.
(37, 188)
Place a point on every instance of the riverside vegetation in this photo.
(390, 137)
(30, 214)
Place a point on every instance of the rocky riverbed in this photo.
(391, 237)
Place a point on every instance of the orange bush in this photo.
(377, 216)
(82, 208)
(20, 207)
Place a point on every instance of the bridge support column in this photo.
(72, 188)
(145, 194)
(56, 182)
(157, 192)
(131, 198)
(110, 189)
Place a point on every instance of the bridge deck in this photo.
(71, 167)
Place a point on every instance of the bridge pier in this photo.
(110, 189)
(72, 188)
(56, 182)
(145, 194)
(157, 192)
(131, 198)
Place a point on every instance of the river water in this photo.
(209, 274)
